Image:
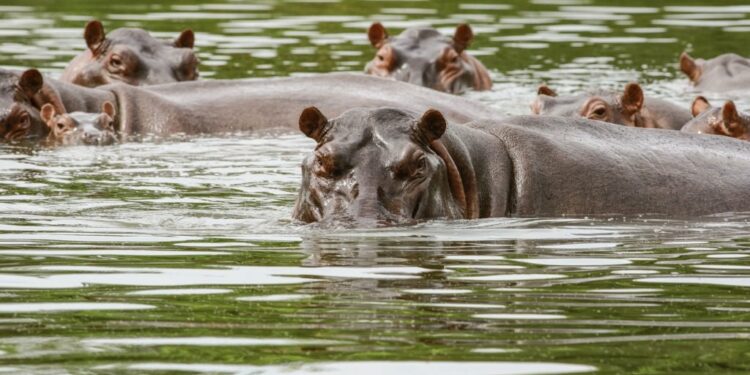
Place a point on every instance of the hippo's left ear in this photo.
(732, 119)
(690, 67)
(700, 105)
(377, 34)
(632, 98)
(432, 125)
(185, 40)
(30, 83)
(109, 109)
(463, 37)
(94, 35)
(546, 91)
(312, 122)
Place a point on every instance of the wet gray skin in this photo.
(423, 56)
(727, 72)
(725, 120)
(132, 56)
(385, 166)
(628, 107)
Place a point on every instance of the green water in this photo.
(179, 256)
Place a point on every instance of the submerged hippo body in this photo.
(629, 108)
(725, 120)
(727, 72)
(221, 106)
(424, 57)
(132, 56)
(387, 165)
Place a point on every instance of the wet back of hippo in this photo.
(564, 166)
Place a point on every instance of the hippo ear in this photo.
(185, 40)
(377, 34)
(463, 37)
(432, 125)
(546, 91)
(47, 113)
(632, 99)
(30, 83)
(312, 122)
(731, 118)
(109, 109)
(690, 67)
(700, 105)
(94, 35)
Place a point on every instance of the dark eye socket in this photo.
(600, 112)
(60, 125)
(381, 58)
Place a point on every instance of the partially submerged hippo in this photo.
(132, 56)
(425, 57)
(224, 106)
(725, 120)
(629, 107)
(388, 166)
(727, 72)
(21, 97)
(79, 128)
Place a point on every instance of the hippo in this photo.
(132, 56)
(79, 128)
(382, 166)
(628, 108)
(21, 96)
(724, 120)
(227, 106)
(424, 57)
(727, 72)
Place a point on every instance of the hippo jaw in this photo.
(366, 173)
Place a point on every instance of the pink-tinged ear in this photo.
(109, 109)
(312, 122)
(31, 82)
(546, 91)
(700, 105)
(185, 40)
(377, 34)
(47, 113)
(94, 35)
(732, 119)
(690, 67)
(432, 125)
(632, 98)
(463, 37)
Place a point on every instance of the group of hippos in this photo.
(396, 145)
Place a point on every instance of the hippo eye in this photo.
(381, 58)
(115, 61)
(60, 125)
(599, 112)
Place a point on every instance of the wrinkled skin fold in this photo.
(363, 169)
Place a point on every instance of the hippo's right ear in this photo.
(432, 125)
(185, 40)
(690, 67)
(632, 98)
(47, 113)
(700, 105)
(30, 83)
(109, 109)
(377, 34)
(312, 122)
(463, 37)
(94, 35)
(546, 91)
(732, 120)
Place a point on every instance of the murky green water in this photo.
(179, 255)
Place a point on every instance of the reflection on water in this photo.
(180, 256)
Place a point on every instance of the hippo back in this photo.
(570, 166)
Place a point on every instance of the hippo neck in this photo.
(80, 99)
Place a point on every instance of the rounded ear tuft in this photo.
(463, 37)
(312, 122)
(109, 109)
(94, 35)
(546, 91)
(700, 105)
(31, 82)
(47, 113)
(185, 40)
(377, 34)
(690, 67)
(432, 125)
(731, 117)
(632, 98)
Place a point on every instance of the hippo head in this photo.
(724, 120)
(375, 167)
(132, 56)
(80, 128)
(425, 57)
(617, 108)
(714, 72)
(21, 96)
